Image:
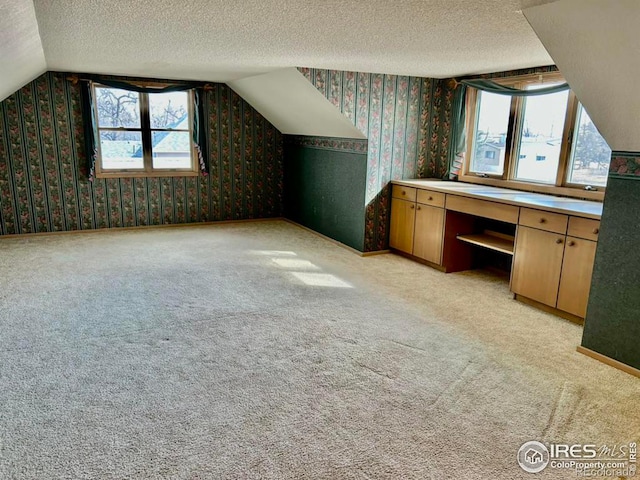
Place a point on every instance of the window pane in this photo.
(541, 137)
(121, 150)
(591, 155)
(489, 144)
(169, 110)
(171, 149)
(117, 108)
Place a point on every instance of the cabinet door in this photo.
(427, 241)
(537, 263)
(403, 214)
(575, 282)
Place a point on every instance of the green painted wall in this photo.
(43, 178)
(612, 326)
(325, 186)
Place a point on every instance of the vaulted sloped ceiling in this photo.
(222, 40)
(294, 106)
(596, 45)
(21, 55)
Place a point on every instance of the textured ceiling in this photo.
(595, 44)
(21, 55)
(219, 40)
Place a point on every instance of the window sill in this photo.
(175, 173)
(537, 188)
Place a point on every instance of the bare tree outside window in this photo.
(144, 131)
(117, 108)
(591, 153)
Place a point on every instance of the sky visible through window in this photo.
(541, 137)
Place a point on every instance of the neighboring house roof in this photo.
(493, 146)
(168, 141)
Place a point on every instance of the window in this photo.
(144, 134)
(490, 132)
(590, 155)
(540, 138)
(542, 143)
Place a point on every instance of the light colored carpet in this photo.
(212, 352)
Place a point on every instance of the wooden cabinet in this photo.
(537, 264)
(575, 282)
(403, 214)
(554, 250)
(417, 228)
(427, 241)
(555, 269)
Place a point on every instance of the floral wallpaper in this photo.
(625, 165)
(328, 143)
(43, 178)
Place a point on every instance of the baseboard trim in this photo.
(554, 311)
(139, 227)
(419, 260)
(375, 252)
(336, 242)
(609, 361)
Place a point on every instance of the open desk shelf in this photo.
(492, 240)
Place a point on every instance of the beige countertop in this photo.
(551, 203)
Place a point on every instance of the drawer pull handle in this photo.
(596, 231)
(430, 198)
(403, 192)
(559, 241)
(571, 243)
(412, 206)
(543, 220)
(418, 207)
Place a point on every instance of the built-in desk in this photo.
(548, 242)
(550, 203)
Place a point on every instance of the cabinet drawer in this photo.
(584, 228)
(435, 199)
(482, 208)
(405, 193)
(551, 222)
